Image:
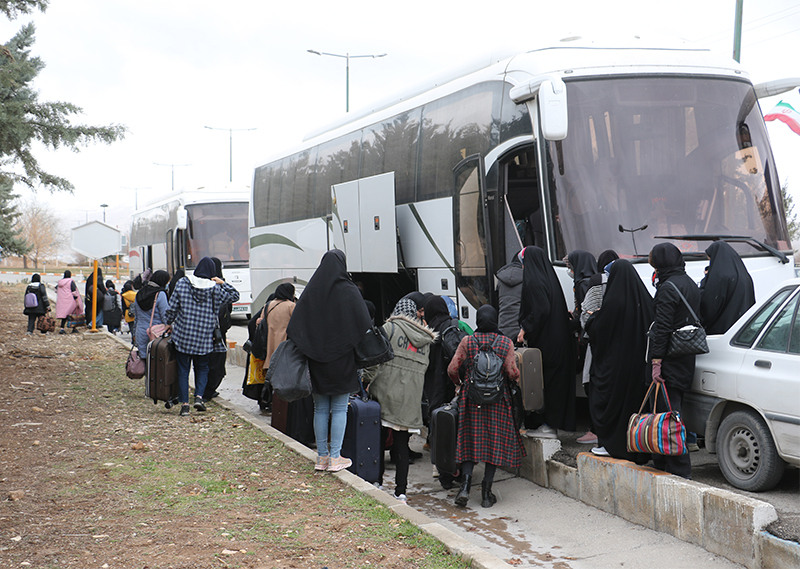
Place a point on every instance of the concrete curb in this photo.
(456, 545)
(717, 520)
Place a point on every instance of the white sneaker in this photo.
(435, 472)
(378, 485)
(544, 432)
(600, 451)
(402, 498)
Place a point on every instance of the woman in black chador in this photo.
(329, 320)
(544, 322)
(619, 342)
(727, 290)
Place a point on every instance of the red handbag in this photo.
(657, 433)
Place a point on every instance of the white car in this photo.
(745, 399)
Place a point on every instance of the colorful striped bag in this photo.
(657, 433)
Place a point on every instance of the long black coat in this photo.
(38, 288)
(727, 291)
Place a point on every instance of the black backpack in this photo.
(486, 384)
(451, 337)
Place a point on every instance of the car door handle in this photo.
(763, 363)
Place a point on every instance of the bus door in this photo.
(474, 270)
(364, 223)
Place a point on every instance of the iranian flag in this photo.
(785, 113)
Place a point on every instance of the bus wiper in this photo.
(731, 238)
(632, 231)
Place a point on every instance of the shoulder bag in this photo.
(657, 433)
(135, 366)
(689, 340)
(288, 372)
(158, 330)
(373, 349)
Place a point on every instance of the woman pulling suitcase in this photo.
(486, 432)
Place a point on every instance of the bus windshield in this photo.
(217, 230)
(663, 156)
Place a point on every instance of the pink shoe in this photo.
(588, 439)
(339, 463)
(322, 463)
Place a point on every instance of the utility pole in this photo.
(737, 32)
(173, 171)
(136, 195)
(230, 131)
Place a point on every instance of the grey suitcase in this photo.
(531, 378)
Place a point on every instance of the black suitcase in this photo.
(362, 438)
(444, 432)
(161, 372)
(295, 419)
(531, 378)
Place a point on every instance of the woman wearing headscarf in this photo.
(89, 292)
(544, 321)
(217, 359)
(194, 313)
(37, 292)
(112, 308)
(179, 274)
(618, 332)
(486, 433)
(727, 291)
(278, 313)
(670, 314)
(439, 389)
(581, 265)
(68, 299)
(151, 296)
(329, 320)
(128, 295)
(592, 302)
(397, 386)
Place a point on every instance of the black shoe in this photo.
(487, 498)
(413, 455)
(198, 404)
(184, 409)
(463, 494)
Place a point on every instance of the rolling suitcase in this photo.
(161, 377)
(362, 438)
(444, 432)
(531, 378)
(295, 419)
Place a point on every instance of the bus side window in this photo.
(522, 194)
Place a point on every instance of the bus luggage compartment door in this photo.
(364, 224)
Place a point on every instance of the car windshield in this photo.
(663, 156)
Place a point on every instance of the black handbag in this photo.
(373, 349)
(288, 373)
(690, 339)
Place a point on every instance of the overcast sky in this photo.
(167, 69)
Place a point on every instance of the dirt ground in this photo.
(92, 474)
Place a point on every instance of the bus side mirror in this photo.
(553, 109)
(182, 218)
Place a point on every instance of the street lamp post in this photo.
(104, 206)
(136, 194)
(230, 130)
(347, 57)
(173, 171)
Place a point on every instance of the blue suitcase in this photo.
(444, 432)
(362, 438)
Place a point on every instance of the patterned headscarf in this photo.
(405, 307)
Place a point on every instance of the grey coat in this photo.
(509, 289)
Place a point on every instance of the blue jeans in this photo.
(333, 407)
(200, 374)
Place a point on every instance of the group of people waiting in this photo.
(616, 336)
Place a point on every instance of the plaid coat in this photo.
(486, 433)
(193, 310)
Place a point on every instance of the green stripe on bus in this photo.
(418, 217)
(272, 239)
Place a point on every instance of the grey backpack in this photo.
(487, 383)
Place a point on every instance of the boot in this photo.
(487, 498)
(463, 493)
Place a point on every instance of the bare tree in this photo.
(42, 230)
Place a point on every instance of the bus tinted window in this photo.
(391, 146)
(260, 193)
(516, 121)
(217, 230)
(297, 201)
(453, 128)
(337, 163)
(681, 156)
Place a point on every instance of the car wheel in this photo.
(747, 454)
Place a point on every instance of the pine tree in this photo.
(11, 240)
(25, 120)
(792, 224)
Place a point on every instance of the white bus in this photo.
(568, 147)
(177, 231)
